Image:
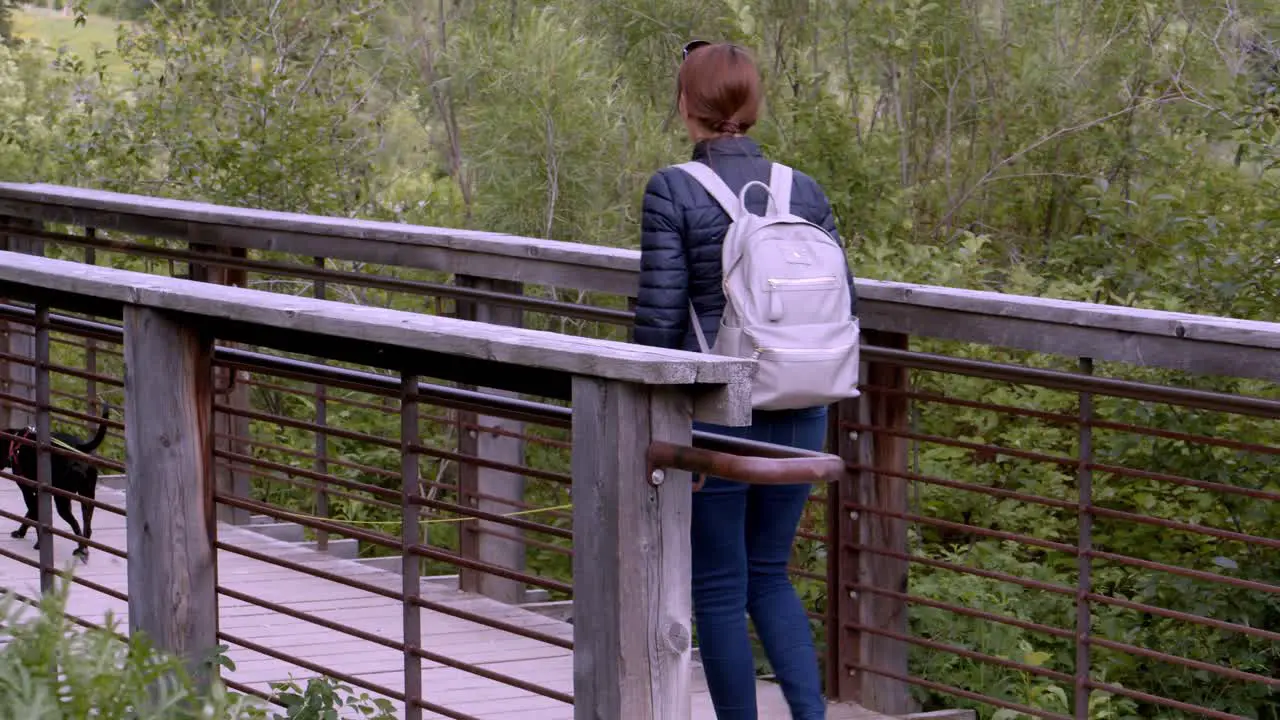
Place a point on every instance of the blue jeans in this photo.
(742, 538)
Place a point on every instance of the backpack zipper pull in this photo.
(775, 302)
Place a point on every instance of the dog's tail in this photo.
(100, 435)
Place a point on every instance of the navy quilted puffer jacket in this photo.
(681, 235)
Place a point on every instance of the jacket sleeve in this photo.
(829, 224)
(662, 302)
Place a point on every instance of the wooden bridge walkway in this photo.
(511, 655)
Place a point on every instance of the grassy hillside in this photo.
(60, 32)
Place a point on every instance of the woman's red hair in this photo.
(721, 88)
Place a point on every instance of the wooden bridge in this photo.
(424, 404)
(458, 639)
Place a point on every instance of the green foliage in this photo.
(120, 9)
(555, 127)
(7, 8)
(50, 669)
(324, 699)
(1124, 152)
(76, 42)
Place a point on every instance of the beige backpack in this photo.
(787, 299)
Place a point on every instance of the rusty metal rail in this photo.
(716, 455)
(289, 377)
(758, 470)
(972, 534)
(319, 273)
(1095, 463)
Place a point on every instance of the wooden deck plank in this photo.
(456, 640)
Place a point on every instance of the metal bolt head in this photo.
(657, 477)
(853, 434)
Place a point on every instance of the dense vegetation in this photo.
(1117, 151)
(51, 669)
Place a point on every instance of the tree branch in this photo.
(1056, 134)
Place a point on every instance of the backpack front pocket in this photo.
(801, 306)
(793, 378)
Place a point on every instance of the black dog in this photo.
(68, 473)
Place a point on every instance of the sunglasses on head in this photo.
(691, 46)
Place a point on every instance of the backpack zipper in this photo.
(801, 351)
(776, 283)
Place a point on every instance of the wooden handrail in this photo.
(744, 468)
(723, 383)
(1201, 344)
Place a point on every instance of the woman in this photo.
(742, 534)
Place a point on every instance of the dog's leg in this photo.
(86, 512)
(87, 488)
(33, 512)
(63, 504)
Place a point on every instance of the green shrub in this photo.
(51, 669)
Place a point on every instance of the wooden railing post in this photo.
(171, 530)
(91, 345)
(232, 477)
(631, 562)
(486, 489)
(842, 566)
(879, 535)
(44, 448)
(17, 378)
(321, 463)
(410, 536)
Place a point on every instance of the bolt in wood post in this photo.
(170, 504)
(632, 604)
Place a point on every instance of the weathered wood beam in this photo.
(18, 340)
(231, 429)
(720, 385)
(487, 489)
(170, 504)
(1206, 345)
(632, 605)
(880, 535)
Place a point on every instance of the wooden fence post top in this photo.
(726, 396)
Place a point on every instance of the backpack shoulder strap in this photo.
(780, 179)
(697, 329)
(714, 186)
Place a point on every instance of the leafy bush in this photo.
(51, 669)
(6, 20)
(1122, 152)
